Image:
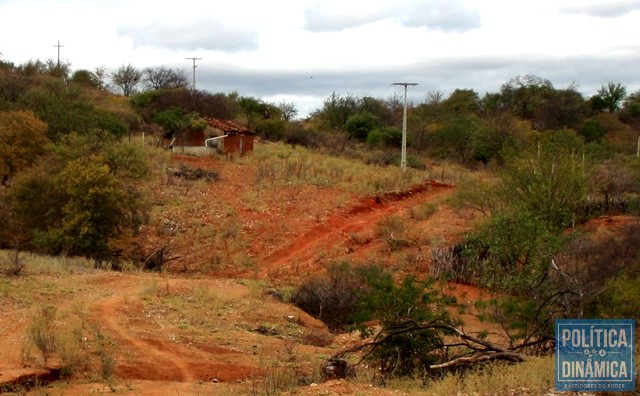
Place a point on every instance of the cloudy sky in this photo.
(303, 50)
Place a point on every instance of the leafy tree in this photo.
(454, 139)
(33, 67)
(398, 307)
(90, 215)
(384, 110)
(359, 125)
(592, 130)
(126, 77)
(251, 108)
(512, 250)
(336, 110)
(22, 139)
(12, 84)
(561, 109)
(523, 95)
(462, 102)
(631, 109)
(499, 136)
(549, 184)
(58, 69)
(609, 97)
(163, 77)
(356, 298)
(85, 78)
(272, 129)
(82, 195)
(61, 107)
(171, 120)
(205, 104)
(386, 135)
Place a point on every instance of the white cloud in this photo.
(608, 9)
(270, 49)
(335, 15)
(199, 34)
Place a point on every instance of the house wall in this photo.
(190, 138)
(240, 143)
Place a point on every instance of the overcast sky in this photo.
(303, 50)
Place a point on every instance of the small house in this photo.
(220, 136)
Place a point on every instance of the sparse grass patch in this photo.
(35, 264)
(533, 377)
(61, 338)
(424, 211)
(279, 164)
(393, 230)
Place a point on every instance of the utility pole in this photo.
(403, 156)
(58, 45)
(193, 84)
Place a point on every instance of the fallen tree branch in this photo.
(469, 361)
(480, 350)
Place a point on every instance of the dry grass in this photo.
(279, 164)
(533, 377)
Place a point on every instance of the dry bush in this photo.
(14, 264)
(394, 231)
(42, 332)
(330, 298)
(593, 258)
(424, 211)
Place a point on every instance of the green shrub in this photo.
(359, 125)
(82, 195)
(387, 136)
(272, 129)
(361, 297)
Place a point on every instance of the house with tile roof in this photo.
(220, 136)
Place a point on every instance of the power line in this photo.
(59, 46)
(193, 84)
(403, 156)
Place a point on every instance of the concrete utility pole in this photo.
(193, 84)
(58, 45)
(403, 156)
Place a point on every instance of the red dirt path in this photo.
(338, 228)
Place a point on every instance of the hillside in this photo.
(211, 323)
(210, 318)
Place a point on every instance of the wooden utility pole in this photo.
(403, 155)
(58, 45)
(193, 84)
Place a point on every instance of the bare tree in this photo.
(126, 77)
(162, 77)
(288, 109)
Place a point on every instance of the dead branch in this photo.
(487, 357)
(189, 173)
(481, 350)
(158, 259)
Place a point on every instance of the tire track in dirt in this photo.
(364, 215)
(158, 353)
